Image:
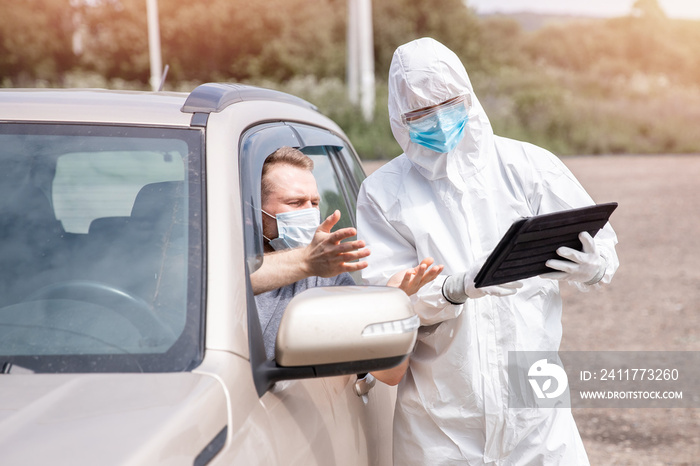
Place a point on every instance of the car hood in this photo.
(77, 419)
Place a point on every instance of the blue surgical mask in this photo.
(295, 229)
(442, 131)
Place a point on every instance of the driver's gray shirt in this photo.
(271, 304)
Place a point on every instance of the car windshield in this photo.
(100, 248)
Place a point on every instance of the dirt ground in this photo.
(653, 303)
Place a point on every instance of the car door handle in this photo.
(364, 384)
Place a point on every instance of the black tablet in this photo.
(532, 241)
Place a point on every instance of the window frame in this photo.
(256, 144)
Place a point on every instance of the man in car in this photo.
(300, 251)
(305, 248)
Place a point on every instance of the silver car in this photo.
(129, 225)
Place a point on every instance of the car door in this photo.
(319, 420)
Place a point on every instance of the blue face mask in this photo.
(295, 229)
(442, 131)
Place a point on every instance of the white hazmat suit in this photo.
(452, 405)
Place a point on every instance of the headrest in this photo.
(108, 225)
(159, 201)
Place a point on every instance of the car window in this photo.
(335, 190)
(330, 188)
(100, 248)
(351, 176)
(355, 172)
(92, 185)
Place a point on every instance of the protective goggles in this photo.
(416, 116)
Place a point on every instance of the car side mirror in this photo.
(340, 330)
(333, 326)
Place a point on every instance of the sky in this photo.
(688, 9)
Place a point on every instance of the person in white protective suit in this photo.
(451, 196)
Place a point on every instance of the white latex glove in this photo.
(587, 266)
(457, 288)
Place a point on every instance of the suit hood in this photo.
(423, 73)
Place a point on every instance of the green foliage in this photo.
(621, 85)
(115, 38)
(399, 21)
(239, 39)
(570, 113)
(372, 140)
(629, 84)
(35, 40)
(621, 47)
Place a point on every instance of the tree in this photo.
(241, 40)
(35, 39)
(448, 21)
(115, 39)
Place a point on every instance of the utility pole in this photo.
(154, 44)
(360, 59)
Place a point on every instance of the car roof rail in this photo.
(214, 97)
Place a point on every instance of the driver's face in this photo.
(292, 188)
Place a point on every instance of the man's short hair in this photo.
(284, 155)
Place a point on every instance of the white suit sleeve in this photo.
(556, 189)
(393, 251)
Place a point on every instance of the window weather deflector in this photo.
(199, 120)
